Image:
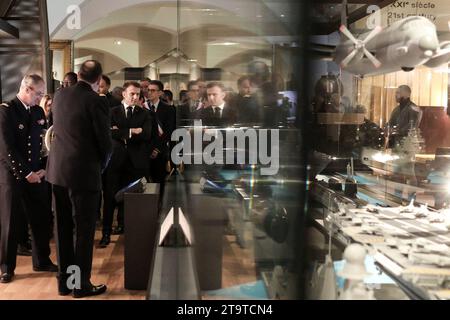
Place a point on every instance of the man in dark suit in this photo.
(131, 127)
(192, 107)
(245, 103)
(22, 195)
(79, 153)
(163, 124)
(144, 91)
(103, 90)
(218, 113)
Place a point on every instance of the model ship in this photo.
(399, 161)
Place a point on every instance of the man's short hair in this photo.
(405, 88)
(216, 84)
(131, 83)
(117, 90)
(183, 95)
(157, 83)
(191, 84)
(242, 79)
(30, 80)
(106, 79)
(169, 94)
(90, 71)
(146, 79)
(72, 76)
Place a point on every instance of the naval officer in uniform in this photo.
(23, 192)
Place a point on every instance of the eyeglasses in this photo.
(153, 90)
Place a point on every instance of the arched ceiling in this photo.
(110, 61)
(247, 55)
(138, 32)
(128, 51)
(268, 16)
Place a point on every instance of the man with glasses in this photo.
(23, 192)
(162, 127)
(144, 91)
(191, 109)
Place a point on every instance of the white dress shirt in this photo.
(154, 104)
(132, 112)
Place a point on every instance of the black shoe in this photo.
(118, 230)
(6, 277)
(106, 239)
(23, 250)
(46, 268)
(92, 291)
(62, 287)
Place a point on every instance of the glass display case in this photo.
(379, 109)
(241, 170)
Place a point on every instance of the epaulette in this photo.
(5, 105)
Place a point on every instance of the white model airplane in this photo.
(403, 45)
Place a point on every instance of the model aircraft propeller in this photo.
(360, 46)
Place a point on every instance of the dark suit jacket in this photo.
(112, 102)
(82, 144)
(20, 140)
(138, 146)
(165, 115)
(185, 116)
(228, 116)
(247, 109)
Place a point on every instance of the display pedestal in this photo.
(207, 212)
(141, 227)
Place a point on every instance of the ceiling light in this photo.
(224, 44)
(259, 16)
(282, 15)
(192, 60)
(118, 42)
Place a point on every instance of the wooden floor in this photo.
(108, 268)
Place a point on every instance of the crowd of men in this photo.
(102, 141)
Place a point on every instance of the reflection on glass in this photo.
(379, 115)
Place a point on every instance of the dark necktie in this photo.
(129, 112)
(216, 112)
(152, 108)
